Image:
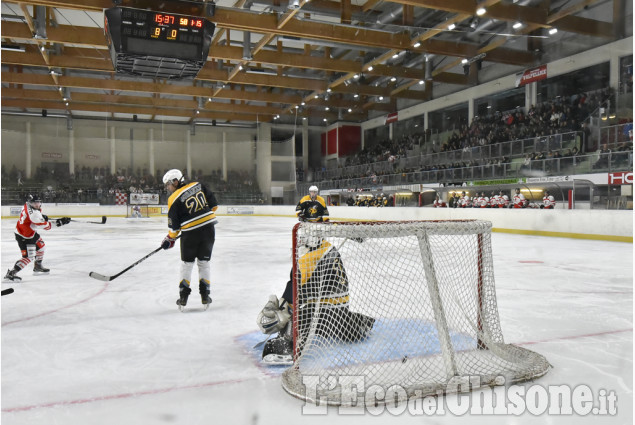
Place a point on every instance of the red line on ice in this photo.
(120, 396)
(57, 309)
(236, 381)
(574, 337)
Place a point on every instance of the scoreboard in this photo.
(163, 39)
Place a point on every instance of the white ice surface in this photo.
(79, 351)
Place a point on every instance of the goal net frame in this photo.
(451, 309)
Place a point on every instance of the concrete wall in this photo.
(132, 140)
(583, 224)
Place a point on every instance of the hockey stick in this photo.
(103, 221)
(115, 276)
(261, 343)
(7, 291)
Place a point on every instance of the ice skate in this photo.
(39, 269)
(184, 293)
(12, 276)
(204, 290)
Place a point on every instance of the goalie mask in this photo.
(308, 238)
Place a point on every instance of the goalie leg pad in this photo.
(356, 327)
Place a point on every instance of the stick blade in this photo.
(103, 219)
(100, 277)
(7, 291)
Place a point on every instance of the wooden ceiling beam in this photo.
(139, 86)
(123, 109)
(147, 101)
(585, 26)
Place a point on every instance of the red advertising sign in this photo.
(392, 117)
(531, 75)
(621, 177)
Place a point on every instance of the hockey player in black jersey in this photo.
(319, 262)
(312, 207)
(191, 210)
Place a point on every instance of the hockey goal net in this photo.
(138, 211)
(411, 304)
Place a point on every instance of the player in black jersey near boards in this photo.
(191, 210)
(312, 207)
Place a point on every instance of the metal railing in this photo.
(582, 164)
(512, 149)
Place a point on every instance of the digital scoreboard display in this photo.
(158, 34)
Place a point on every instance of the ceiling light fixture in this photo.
(13, 48)
(417, 44)
(451, 27)
(481, 11)
(517, 25)
(553, 31)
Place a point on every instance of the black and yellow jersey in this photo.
(311, 210)
(191, 206)
(321, 276)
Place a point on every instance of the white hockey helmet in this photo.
(172, 175)
(313, 189)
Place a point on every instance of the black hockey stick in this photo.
(115, 276)
(7, 291)
(103, 221)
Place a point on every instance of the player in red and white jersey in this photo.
(483, 201)
(31, 244)
(503, 200)
(439, 203)
(476, 201)
(548, 201)
(519, 199)
(465, 201)
(494, 200)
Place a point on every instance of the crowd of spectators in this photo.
(98, 185)
(563, 114)
(559, 115)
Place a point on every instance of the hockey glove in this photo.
(62, 221)
(45, 217)
(168, 242)
(302, 217)
(274, 317)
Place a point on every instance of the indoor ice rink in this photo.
(517, 114)
(76, 350)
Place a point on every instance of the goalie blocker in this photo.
(318, 262)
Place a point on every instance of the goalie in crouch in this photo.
(323, 287)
